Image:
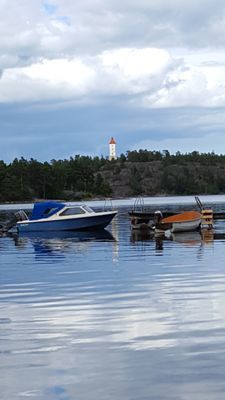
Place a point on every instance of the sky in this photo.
(74, 73)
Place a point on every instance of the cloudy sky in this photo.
(75, 72)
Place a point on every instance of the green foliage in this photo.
(135, 182)
(101, 187)
(28, 180)
(143, 156)
(143, 171)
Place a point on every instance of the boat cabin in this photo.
(49, 208)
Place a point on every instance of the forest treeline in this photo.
(136, 172)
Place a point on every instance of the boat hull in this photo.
(68, 224)
(186, 226)
(183, 222)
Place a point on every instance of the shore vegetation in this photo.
(140, 172)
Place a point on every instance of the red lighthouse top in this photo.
(112, 141)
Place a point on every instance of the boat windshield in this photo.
(72, 211)
(88, 209)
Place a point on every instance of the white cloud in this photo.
(50, 79)
(72, 72)
(140, 56)
(150, 77)
(137, 63)
(67, 28)
(59, 49)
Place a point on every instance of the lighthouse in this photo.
(112, 149)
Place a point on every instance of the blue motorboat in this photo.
(56, 216)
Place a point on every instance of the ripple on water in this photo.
(118, 317)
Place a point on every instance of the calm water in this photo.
(113, 316)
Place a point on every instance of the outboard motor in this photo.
(18, 216)
(21, 215)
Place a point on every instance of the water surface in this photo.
(113, 315)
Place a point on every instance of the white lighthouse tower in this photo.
(112, 149)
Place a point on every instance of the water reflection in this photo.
(115, 233)
(187, 238)
(138, 235)
(201, 238)
(79, 236)
(58, 243)
(151, 328)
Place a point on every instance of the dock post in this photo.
(207, 218)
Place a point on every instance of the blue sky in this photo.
(73, 74)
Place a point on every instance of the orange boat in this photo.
(183, 222)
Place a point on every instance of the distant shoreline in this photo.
(156, 199)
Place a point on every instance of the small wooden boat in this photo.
(140, 217)
(183, 222)
(140, 220)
